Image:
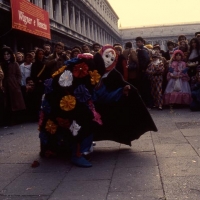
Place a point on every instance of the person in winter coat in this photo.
(131, 57)
(121, 65)
(14, 102)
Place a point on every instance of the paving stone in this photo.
(138, 146)
(130, 160)
(137, 195)
(84, 174)
(182, 188)
(102, 156)
(53, 165)
(22, 157)
(179, 166)
(107, 144)
(174, 137)
(134, 179)
(34, 184)
(145, 136)
(165, 126)
(174, 150)
(118, 171)
(81, 190)
(8, 172)
(195, 142)
(190, 132)
(22, 147)
(184, 115)
(23, 197)
(188, 125)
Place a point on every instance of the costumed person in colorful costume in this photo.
(195, 87)
(69, 117)
(123, 113)
(178, 88)
(68, 114)
(155, 71)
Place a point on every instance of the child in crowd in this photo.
(155, 71)
(178, 89)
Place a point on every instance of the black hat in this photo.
(170, 43)
(197, 33)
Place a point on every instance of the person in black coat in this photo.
(123, 113)
(168, 54)
(39, 74)
(144, 82)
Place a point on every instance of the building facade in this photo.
(73, 22)
(160, 34)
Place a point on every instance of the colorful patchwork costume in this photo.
(85, 101)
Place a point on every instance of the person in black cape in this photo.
(123, 113)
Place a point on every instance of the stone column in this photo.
(79, 22)
(92, 31)
(100, 41)
(101, 36)
(72, 18)
(105, 38)
(95, 32)
(36, 2)
(58, 12)
(66, 13)
(88, 33)
(49, 8)
(84, 25)
(40, 4)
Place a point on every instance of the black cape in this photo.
(124, 119)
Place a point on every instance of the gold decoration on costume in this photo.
(62, 69)
(95, 77)
(68, 103)
(51, 127)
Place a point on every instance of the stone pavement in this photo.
(159, 166)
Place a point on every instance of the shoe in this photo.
(81, 162)
(88, 157)
(160, 108)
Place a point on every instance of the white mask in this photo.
(108, 57)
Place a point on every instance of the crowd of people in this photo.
(162, 78)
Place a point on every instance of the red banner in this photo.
(30, 18)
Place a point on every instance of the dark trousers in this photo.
(145, 89)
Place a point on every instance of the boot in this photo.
(77, 158)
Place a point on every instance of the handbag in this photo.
(177, 85)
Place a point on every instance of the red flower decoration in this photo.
(64, 123)
(80, 70)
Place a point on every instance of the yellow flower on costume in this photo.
(68, 103)
(95, 77)
(62, 69)
(51, 127)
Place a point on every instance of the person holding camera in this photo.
(55, 60)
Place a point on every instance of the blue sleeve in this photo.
(103, 96)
